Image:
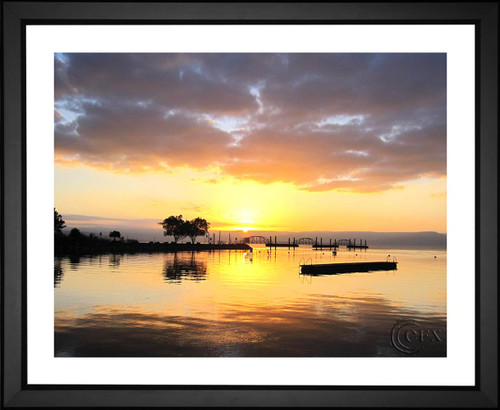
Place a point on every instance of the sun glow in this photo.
(232, 205)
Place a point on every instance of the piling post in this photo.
(288, 243)
(275, 242)
(316, 242)
(321, 242)
(270, 242)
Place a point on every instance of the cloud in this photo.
(356, 122)
(438, 195)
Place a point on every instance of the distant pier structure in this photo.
(256, 239)
(352, 245)
(348, 243)
(330, 245)
(276, 244)
(272, 242)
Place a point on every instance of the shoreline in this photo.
(109, 247)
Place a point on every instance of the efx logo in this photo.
(409, 337)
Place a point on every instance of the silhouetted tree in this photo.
(58, 222)
(174, 226)
(197, 227)
(75, 233)
(114, 235)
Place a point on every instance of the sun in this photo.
(244, 229)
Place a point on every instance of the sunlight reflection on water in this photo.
(232, 303)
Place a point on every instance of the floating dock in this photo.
(319, 247)
(334, 268)
(348, 243)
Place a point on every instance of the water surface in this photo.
(232, 303)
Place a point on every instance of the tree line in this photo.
(59, 224)
(174, 226)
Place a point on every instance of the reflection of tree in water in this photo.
(114, 260)
(58, 272)
(74, 261)
(178, 269)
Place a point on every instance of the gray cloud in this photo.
(361, 122)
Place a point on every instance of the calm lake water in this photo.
(230, 303)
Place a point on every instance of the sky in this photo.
(283, 142)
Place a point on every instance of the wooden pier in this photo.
(315, 243)
(275, 244)
(348, 243)
(320, 245)
(335, 268)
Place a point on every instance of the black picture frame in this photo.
(18, 15)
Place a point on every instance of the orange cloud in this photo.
(350, 122)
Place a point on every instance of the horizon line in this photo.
(87, 218)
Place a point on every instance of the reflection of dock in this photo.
(334, 268)
(282, 245)
(275, 244)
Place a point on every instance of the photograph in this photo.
(255, 204)
(242, 204)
